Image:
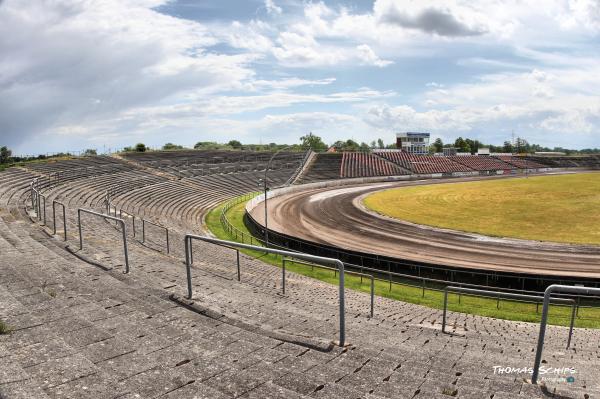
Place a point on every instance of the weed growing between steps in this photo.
(4, 328)
(508, 310)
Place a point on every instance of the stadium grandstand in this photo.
(483, 163)
(92, 308)
(423, 164)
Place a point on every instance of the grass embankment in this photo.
(509, 310)
(4, 166)
(562, 208)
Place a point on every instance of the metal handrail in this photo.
(310, 258)
(369, 276)
(549, 291)
(64, 209)
(144, 221)
(508, 295)
(123, 231)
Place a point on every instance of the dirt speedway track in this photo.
(335, 216)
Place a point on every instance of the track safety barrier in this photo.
(306, 257)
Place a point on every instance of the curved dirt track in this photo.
(335, 216)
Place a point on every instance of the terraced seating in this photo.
(482, 163)
(521, 163)
(361, 164)
(192, 163)
(589, 161)
(89, 331)
(324, 166)
(424, 164)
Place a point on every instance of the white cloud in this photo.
(272, 8)
(77, 61)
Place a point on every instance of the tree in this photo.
(462, 145)
(380, 144)
(5, 154)
(373, 144)
(364, 147)
(438, 145)
(235, 144)
(90, 151)
(140, 147)
(313, 142)
(207, 145)
(171, 146)
(508, 147)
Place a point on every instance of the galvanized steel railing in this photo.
(370, 277)
(144, 221)
(120, 221)
(306, 257)
(508, 295)
(579, 290)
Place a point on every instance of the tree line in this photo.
(316, 143)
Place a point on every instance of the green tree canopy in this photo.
(5, 154)
(438, 145)
(140, 147)
(313, 142)
(171, 146)
(235, 144)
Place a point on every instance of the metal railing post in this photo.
(444, 314)
(238, 264)
(79, 224)
(54, 202)
(372, 295)
(283, 275)
(342, 305)
(124, 231)
(168, 247)
(572, 325)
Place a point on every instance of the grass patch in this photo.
(4, 328)
(509, 310)
(561, 208)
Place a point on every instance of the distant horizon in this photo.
(78, 74)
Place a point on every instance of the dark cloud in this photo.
(431, 20)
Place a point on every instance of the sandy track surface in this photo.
(335, 216)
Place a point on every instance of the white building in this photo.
(413, 142)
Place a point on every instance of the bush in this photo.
(140, 147)
(5, 155)
(171, 146)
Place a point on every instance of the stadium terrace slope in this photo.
(81, 328)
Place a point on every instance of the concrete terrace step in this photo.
(81, 328)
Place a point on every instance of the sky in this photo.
(110, 73)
